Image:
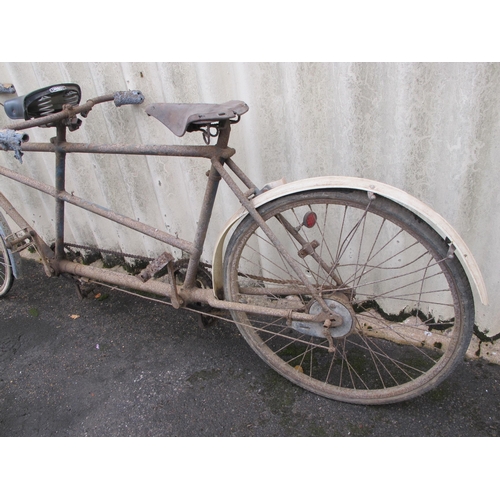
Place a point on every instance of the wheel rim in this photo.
(5, 269)
(394, 276)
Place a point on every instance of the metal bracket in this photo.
(19, 241)
(308, 248)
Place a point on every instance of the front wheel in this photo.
(6, 275)
(406, 305)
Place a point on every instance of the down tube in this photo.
(106, 213)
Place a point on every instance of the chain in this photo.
(111, 252)
(178, 264)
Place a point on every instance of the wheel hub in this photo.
(337, 304)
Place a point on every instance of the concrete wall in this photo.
(431, 129)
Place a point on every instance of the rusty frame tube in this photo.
(60, 148)
(218, 154)
(207, 206)
(165, 290)
(128, 149)
(190, 293)
(241, 175)
(202, 228)
(101, 211)
(60, 185)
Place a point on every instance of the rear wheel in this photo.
(6, 276)
(406, 305)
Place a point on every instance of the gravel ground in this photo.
(117, 365)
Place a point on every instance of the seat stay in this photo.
(180, 117)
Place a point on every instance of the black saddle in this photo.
(182, 118)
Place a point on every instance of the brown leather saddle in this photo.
(182, 118)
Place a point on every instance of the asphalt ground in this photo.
(116, 365)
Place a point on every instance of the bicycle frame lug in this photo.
(308, 249)
(51, 267)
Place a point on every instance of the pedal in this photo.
(156, 266)
(19, 241)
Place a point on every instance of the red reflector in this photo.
(309, 219)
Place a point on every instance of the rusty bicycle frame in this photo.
(55, 262)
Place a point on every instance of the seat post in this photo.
(224, 133)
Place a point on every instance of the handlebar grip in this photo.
(128, 97)
(7, 88)
(11, 141)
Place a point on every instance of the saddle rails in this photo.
(349, 288)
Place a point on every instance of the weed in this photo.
(33, 311)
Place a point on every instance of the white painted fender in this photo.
(438, 223)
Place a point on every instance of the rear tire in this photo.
(407, 305)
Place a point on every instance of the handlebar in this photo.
(120, 98)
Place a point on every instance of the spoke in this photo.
(332, 361)
(371, 250)
(360, 246)
(351, 234)
(404, 298)
(390, 327)
(352, 373)
(381, 266)
(379, 354)
(256, 251)
(439, 273)
(397, 363)
(290, 337)
(394, 268)
(364, 256)
(324, 246)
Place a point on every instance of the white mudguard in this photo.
(438, 223)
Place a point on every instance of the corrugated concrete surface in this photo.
(431, 129)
